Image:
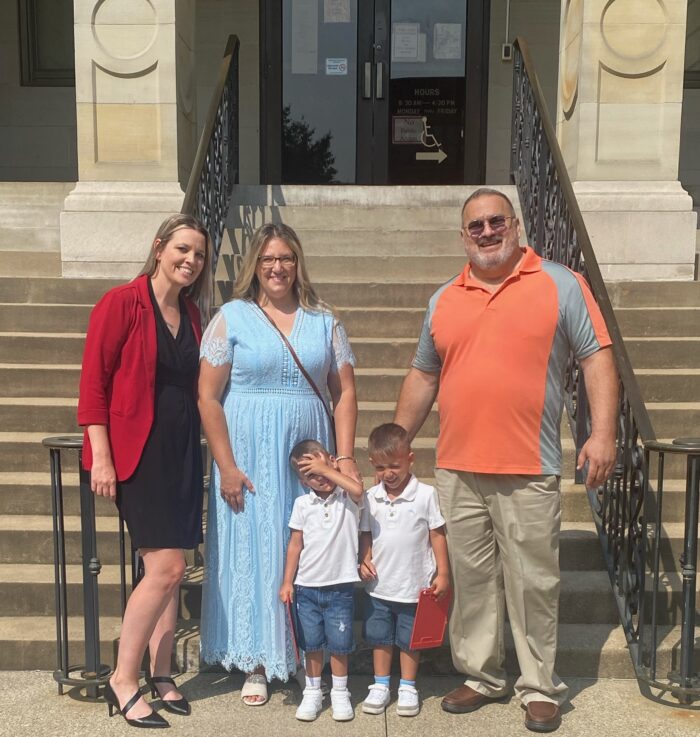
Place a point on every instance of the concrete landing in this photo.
(29, 705)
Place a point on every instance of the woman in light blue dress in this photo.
(255, 406)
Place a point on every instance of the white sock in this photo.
(313, 682)
(340, 683)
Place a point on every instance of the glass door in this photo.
(319, 91)
(374, 91)
(426, 91)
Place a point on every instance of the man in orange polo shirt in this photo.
(493, 350)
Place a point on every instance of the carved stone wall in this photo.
(136, 114)
(621, 88)
(135, 89)
(619, 108)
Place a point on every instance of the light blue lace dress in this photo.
(269, 407)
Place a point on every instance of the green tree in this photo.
(305, 158)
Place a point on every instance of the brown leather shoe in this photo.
(465, 699)
(542, 716)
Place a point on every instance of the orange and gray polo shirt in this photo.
(502, 357)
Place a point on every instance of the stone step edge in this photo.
(607, 641)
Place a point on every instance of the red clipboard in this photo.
(292, 631)
(431, 620)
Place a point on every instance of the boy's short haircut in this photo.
(388, 439)
(304, 448)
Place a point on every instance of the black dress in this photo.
(161, 502)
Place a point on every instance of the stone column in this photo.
(618, 124)
(135, 98)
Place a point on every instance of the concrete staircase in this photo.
(376, 254)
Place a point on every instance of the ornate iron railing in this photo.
(626, 510)
(216, 164)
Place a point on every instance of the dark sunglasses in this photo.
(497, 223)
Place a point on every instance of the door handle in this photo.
(380, 80)
(367, 86)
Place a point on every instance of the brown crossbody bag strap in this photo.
(304, 373)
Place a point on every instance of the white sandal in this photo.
(255, 685)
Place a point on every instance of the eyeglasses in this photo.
(497, 223)
(286, 262)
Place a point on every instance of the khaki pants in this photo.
(503, 539)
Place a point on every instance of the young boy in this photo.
(322, 553)
(403, 550)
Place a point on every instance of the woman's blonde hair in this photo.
(247, 285)
(200, 292)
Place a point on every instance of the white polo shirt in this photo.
(401, 550)
(330, 530)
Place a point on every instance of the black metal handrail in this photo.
(91, 673)
(621, 508)
(216, 165)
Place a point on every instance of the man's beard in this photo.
(486, 261)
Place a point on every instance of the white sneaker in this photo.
(408, 705)
(311, 705)
(377, 700)
(342, 710)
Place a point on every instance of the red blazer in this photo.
(117, 382)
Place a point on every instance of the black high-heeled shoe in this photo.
(179, 706)
(153, 720)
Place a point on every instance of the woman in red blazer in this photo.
(142, 444)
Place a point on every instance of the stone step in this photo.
(654, 293)
(25, 318)
(389, 322)
(370, 242)
(28, 590)
(30, 263)
(42, 348)
(584, 650)
(659, 321)
(29, 493)
(370, 322)
(54, 290)
(30, 414)
(254, 196)
(26, 384)
(657, 354)
(392, 352)
(668, 385)
(42, 381)
(23, 451)
(336, 218)
(29, 539)
(392, 268)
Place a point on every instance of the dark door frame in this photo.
(477, 43)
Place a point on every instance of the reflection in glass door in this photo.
(427, 92)
(375, 91)
(319, 91)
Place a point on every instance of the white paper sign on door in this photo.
(336, 11)
(304, 36)
(404, 41)
(447, 41)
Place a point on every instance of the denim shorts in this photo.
(324, 618)
(388, 622)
